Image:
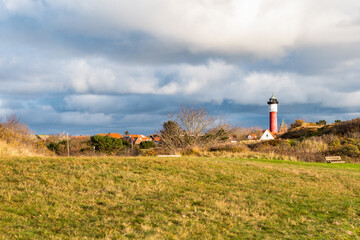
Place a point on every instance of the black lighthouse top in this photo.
(273, 100)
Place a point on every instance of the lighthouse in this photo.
(273, 103)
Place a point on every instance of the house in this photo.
(267, 135)
(252, 137)
(112, 135)
(136, 139)
(156, 138)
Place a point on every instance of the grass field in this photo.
(182, 198)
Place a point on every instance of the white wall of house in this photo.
(267, 135)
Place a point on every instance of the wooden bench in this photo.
(334, 159)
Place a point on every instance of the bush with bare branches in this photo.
(17, 139)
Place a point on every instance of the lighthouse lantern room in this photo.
(273, 103)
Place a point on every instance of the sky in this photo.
(90, 66)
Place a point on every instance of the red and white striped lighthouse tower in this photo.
(273, 103)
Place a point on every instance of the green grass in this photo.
(179, 198)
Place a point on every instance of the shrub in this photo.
(191, 152)
(53, 146)
(292, 142)
(17, 139)
(78, 146)
(321, 122)
(149, 153)
(234, 148)
(147, 145)
(106, 144)
(335, 145)
(297, 123)
(214, 136)
(351, 150)
(346, 128)
(311, 145)
(352, 141)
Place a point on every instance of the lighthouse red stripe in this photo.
(273, 122)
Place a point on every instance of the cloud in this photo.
(78, 118)
(261, 28)
(264, 29)
(22, 7)
(214, 81)
(113, 63)
(47, 116)
(99, 85)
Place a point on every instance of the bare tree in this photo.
(191, 124)
(194, 120)
(14, 123)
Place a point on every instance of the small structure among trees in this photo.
(283, 127)
(252, 137)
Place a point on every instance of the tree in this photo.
(187, 128)
(106, 144)
(127, 132)
(194, 122)
(219, 134)
(338, 121)
(297, 123)
(171, 135)
(53, 146)
(147, 145)
(321, 122)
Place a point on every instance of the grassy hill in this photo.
(346, 128)
(182, 198)
(311, 142)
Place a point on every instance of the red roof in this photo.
(113, 135)
(142, 137)
(157, 139)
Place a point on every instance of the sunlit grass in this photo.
(182, 198)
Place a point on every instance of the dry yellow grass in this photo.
(18, 149)
(182, 198)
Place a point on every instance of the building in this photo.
(283, 127)
(112, 135)
(267, 135)
(136, 139)
(156, 138)
(273, 108)
(252, 137)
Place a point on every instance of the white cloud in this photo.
(25, 7)
(263, 28)
(211, 82)
(101, 76)
(92, 84)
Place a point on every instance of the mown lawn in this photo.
(179, 198)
